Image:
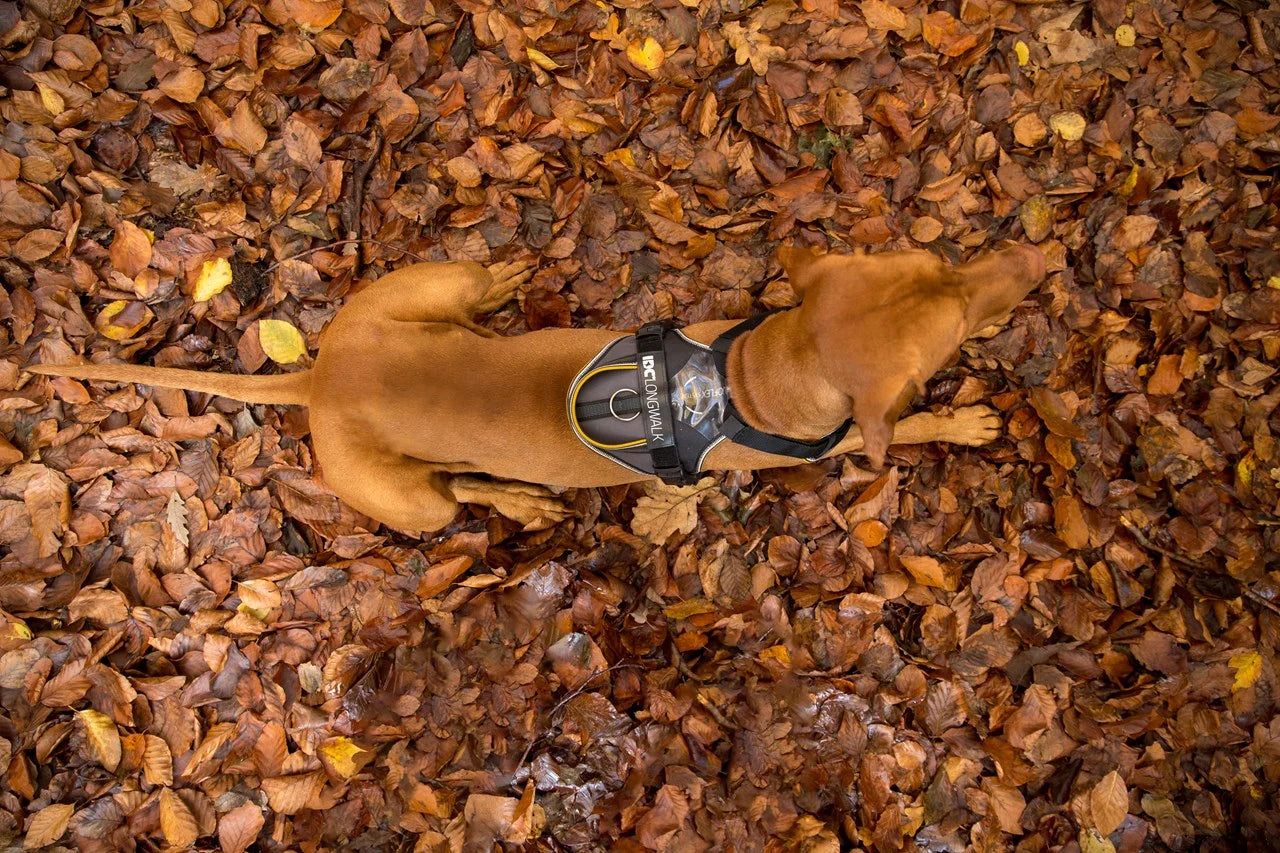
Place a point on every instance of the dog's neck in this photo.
(775, 381)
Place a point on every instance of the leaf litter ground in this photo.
(1063, 640)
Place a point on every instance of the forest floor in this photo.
(1063, 640)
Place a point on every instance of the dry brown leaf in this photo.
(48, 501)
(47, 826)
(239, 828)
(291, 794)
(929, 572)
(1109, 803)
(669, 509)
(157, 762)
(176, 821)
(130, 250)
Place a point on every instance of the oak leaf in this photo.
(751, 45)
(668, 509)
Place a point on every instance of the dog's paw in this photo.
(507, 278)
(972, 426)
(533, 506)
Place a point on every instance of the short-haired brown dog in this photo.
(410, 399)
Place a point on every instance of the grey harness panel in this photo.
(616, 402)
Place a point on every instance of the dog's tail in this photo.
(293, 389)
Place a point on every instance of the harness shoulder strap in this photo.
(737, 430)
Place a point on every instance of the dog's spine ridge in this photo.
(292, 389)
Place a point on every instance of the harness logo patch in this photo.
(653, 408)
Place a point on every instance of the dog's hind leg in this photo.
(522, 502)
(401, 491)
(443, 292)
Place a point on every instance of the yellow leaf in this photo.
(648, 55)
(47, 826)
(1130, 181)
(339, 755)
(214, 277)
(1273, 282)
(1070, 126)
(778, 653)
(1126, 35)
(541, 60)
(1021, 51)
(1248, 666)
(1245, 470)
(52, 100)
(1092, 841)
(623, 156)
(692, 607)
(121, 320)
(103, 736)
(281, 341)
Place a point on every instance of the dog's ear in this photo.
(796, 263)
(876, 407)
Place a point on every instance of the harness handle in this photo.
(655, 402)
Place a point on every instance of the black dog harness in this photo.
(658, 402)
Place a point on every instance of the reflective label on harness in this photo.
(658, 433)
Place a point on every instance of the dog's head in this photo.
(883, 324)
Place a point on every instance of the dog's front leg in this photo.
(971, 426)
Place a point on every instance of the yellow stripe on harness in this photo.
(573, 417)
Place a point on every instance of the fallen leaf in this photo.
(176, 821)
(1248, 666)
(669, 509)
(281, 341)
(103, 737)
(122, 320)
(47, 826)
(239, 827)
(752, 46)
(1070, 126)
(1109, 803)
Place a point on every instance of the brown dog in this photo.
(408, 395)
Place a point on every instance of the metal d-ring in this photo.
(614, 413)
